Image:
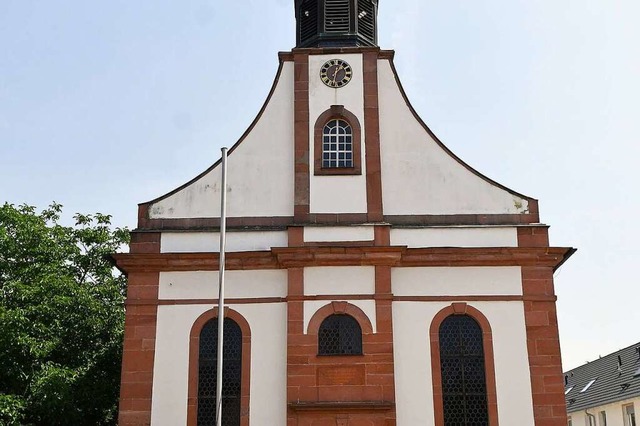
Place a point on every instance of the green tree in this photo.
(61, 318)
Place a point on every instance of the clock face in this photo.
(336, 73)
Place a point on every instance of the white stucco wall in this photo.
(338, 233)
(260, 169)
(238, 284)
(412, 355)
(367, 306)
(268, 356)
(418, 176)
(455, 237)
(336, 280)
(336, 194)
(469, 281)
(202, 242)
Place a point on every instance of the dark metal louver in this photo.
(336, 16)
(340, 335)
(336, 23)
(367, 19)
(231, 375)
(464, 385)
(308, 20)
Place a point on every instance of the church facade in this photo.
(373, 277)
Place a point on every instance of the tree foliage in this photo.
(61, 318)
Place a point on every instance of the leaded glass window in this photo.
(337, 144)
(464, 385)
(231, 375)
(340, 335)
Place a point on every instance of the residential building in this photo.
(605, 392)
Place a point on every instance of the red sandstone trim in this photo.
(299, 257)
(339, 389)
(145, 242)
(301, 135)
(296, 236)
(543, 344)
(344, 308)
(194, 353)
(341, 113)
(434, 333)
(372, 137)
(380, 296)
(382, 235)
(341, 406)
(139, 351)
(268, 223)
(533, 236)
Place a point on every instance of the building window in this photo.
(232, 374)
(462, 364)
(337, 143)
(569, 422)
(629, 415)
(603, 418)
(339, 334)
(590, 420)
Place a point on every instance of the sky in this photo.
(104, 105)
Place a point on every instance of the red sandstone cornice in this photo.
(298, 257)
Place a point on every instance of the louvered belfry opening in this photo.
(337, 23)
(337, 16)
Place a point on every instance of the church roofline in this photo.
(532, 215)
(448, 151)
(235, 145)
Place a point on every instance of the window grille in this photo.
(464, 387)
(336, 16)
(340, 335)
(337, 144)
(231, 375)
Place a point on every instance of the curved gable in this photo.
(421, 176)
(259, 175)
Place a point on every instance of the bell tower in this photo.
(336, 23)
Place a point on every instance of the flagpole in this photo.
(223, 242)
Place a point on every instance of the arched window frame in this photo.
(487, 342)
(338, 112)
(340, 308)
(194, 354)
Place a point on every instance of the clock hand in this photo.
(335, 73)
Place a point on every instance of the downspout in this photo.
(590, 416)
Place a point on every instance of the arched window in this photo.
(339, 334)
(337, 149)
(462, 364)
(337, 144)
(231, 375)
